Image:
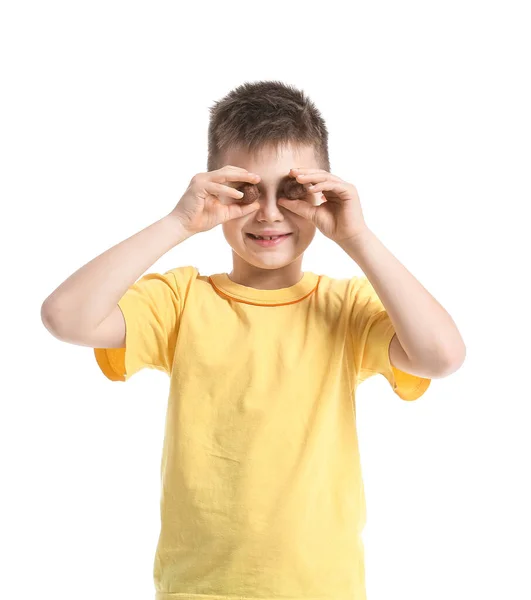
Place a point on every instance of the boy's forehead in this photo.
(272, 161)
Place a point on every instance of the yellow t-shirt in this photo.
(262, 494)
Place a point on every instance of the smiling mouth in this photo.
(267, 237)
(266, 243)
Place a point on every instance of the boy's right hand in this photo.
(200, 209)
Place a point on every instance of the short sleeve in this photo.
(152, 309)
(372, 331)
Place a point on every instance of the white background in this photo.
(104, 116)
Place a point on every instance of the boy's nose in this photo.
(269, 207)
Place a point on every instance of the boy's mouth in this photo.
(267, 241)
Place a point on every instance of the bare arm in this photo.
(83, 309)
(428, 342)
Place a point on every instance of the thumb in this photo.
(236, 210)
(299, 207)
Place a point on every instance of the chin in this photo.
(269, 262)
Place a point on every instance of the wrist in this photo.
(175, 228)
(357, 239)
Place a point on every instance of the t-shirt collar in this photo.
(226, 287)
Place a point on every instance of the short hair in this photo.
(265, 114)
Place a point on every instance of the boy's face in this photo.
(250, 258)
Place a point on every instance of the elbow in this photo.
(50, 316)
(47, 315)
(45, 310)
(455, 360)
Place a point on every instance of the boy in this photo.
(262, 494)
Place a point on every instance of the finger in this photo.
(310, 178)
(225, 167)
(240, 210)
(300, 176)
(317, 177)
(219, 174)
(341, 189)
(218, 188)
(300, 207)
(303, 170)
(236, 176)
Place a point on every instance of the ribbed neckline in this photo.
(225, 286)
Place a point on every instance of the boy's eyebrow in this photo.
(280, 181)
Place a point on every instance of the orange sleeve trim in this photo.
(111, 370)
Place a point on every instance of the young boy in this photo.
(262, 494)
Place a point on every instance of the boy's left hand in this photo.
(340, 217)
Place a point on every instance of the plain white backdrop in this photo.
(103, 122)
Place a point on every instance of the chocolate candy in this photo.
(250, 193)
(293, 190)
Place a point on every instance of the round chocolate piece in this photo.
(293, 190)
(250, 193)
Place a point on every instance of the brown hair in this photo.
(265, 113)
